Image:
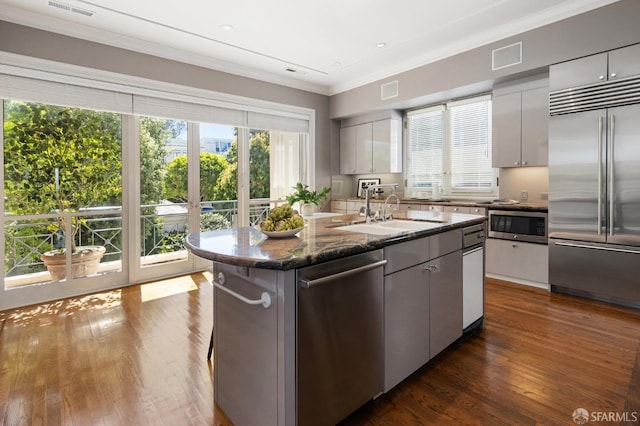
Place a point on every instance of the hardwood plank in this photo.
(632, 403)
(137, 355)
(539, 358)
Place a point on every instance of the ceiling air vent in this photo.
(506, 56)
(69, 8)
(389, 90)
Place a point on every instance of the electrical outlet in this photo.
(544, 195)
(524, 195)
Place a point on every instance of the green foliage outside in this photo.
(60, 159)
(154, 135)
(176, 179)
(259, 182)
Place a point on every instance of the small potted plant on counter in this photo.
(307, 198)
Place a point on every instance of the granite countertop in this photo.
(318, 242)
(528, 206)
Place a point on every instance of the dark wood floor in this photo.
(138, 356)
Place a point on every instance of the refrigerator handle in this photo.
(612, 124)
(600, 125)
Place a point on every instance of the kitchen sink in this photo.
(389, 228)
(409, 224)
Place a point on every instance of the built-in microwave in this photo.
(518, 225)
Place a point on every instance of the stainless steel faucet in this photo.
(385, 206)
(367, 210)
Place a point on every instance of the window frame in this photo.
(413, 190)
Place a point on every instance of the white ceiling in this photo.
(330, 44)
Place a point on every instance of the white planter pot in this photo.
(307, 209)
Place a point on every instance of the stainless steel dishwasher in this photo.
(339, 337)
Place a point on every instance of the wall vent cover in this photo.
(69, 8)
(389, 90)
(506, 56)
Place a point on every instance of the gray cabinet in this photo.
(616, 64)
(445, 301)
(423, 302)
(387, 146)
(374, 147)
(252, 375)
(406, 319)
(348, 150)
(520, 120)
(578, 72)
(624, 62)
(364, 148)
(535, 127)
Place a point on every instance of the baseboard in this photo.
(544, 286)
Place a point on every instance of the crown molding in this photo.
(84, 32)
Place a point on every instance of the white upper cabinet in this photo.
(520, 123)
(374, 147)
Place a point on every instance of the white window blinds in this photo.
(190, 109)
(470, 139)
(451, 145)
(63, 94)
(426, 147)
(203, 113)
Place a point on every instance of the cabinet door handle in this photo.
(430, 268)
(613, 75)
(516, 163)
(601, 77)
(524, 163)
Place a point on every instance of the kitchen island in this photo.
(302, 335)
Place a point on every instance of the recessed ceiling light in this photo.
(381, 45)
(337, 64)
(226, 27)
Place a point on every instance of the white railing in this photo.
(163, 229)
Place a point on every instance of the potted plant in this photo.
(85, 260)
(68, 161)
(307, 198)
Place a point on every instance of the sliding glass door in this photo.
(184, 187)
(62, 207)
(102, 185)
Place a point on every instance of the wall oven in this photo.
(518, 225)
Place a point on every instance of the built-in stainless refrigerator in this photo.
(594, 191)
